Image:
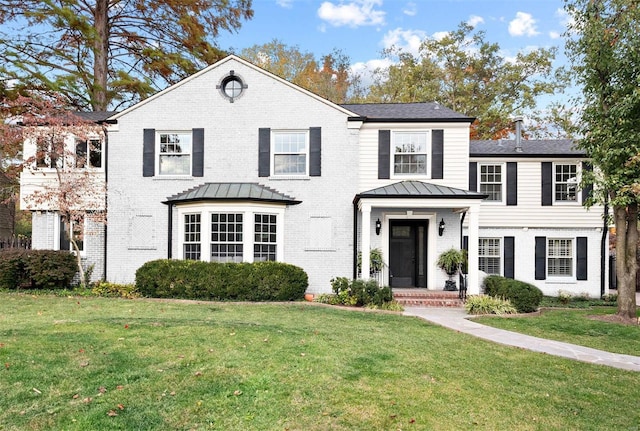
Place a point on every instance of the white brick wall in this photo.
(231, 155)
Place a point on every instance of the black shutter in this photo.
(148, 152)
(465, 243)
(547, 183)
(264, 152)
(581, 263)
(541, 257)
(437, 154)
(588, 190)
(509, 253)
(315, 151)
(384, 154)
(197, 162)
(473, 176)
(512, 183)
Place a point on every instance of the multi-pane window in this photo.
(560, 257)
(71, 230)
(175, 154)
(566, 182)
(49, 154)
(192, 229)
(410, 153)
(290, 153)
(226, 237)
(89, 153)
(491, 182)
(265, 239)
(489, 255)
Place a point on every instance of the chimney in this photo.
(518, 121)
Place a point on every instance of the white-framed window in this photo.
(290, 152)
(78, 232)
(174, 155)
(265, 237)
(491, 180)
(230, 232)
(489, 255)
(560, 252)
(49, 154)
(88, 153)
(192, 247)
(410, 153)
(226, 237)
(565, 182)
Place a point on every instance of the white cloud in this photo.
(407, 40)
(354, 14)
(287, 4)
(523, 25)
(474, 20)
(365, 70)
(439, 35)
(554, 35)
(410, 9)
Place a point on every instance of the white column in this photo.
(365, 241)
(473, 286)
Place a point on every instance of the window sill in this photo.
(330, 249)
(289, 177)
(561, 280)
(173, 177)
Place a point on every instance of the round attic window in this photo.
(232, 87)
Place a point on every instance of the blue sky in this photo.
(363, 28)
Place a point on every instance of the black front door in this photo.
(408, 253)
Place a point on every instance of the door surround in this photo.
(432, 234)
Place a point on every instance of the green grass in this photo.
(574, 326)
(107, 364)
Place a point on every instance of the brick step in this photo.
(426, 298)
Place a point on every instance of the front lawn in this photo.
(107, 364)
(574, 326)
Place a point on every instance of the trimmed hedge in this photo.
(37, 269)
(524, 296)
(189, 279)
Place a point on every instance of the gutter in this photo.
(170, 231)
(355, 241)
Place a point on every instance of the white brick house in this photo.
(235, 164)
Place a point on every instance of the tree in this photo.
(605, 53)
(464, 72)
(107, 54)
(62, 143)
(329, 78)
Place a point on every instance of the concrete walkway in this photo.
(456, 319)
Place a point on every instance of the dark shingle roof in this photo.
(97, 116)
(418, 189)
(232, 191)
(530, 148)
(406, 112)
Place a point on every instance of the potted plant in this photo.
(451, 261)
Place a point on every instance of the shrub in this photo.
(188, 279)
(38, 269)
(524, 296)
(483, 304)
(358, 293)
(114, 290)
(12, 272)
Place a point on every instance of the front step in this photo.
(427, 298)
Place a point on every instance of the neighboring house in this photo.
(236, 164)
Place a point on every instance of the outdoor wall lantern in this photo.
(378, 226)
(441, 227)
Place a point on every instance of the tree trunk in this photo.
(626, 219)
(100, 98)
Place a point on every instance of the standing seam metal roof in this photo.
(232, 191)
(419, 189)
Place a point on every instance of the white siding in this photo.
(456, 154)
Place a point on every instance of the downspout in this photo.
(106, 202)
(355, 241)
(464, 214)
(170, 231)
(604, 249)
